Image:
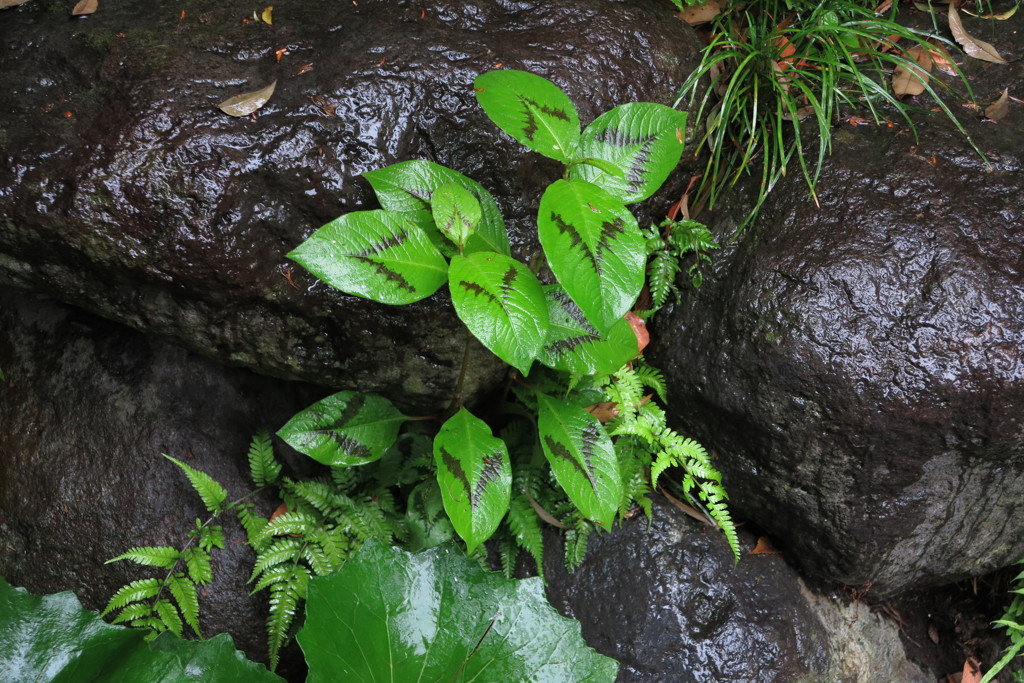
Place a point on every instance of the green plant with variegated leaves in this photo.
(439, 228)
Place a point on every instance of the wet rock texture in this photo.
(670, 605)
(858, 368)
(87, 408)
(124, 191)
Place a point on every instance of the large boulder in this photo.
(124, 191)
(858, 368)
(88, 407)
(670, 604)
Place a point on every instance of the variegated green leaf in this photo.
(573, 345)
(456, 213)
(502, 304)
(582, 458)
(380, 255)
(531, 109)
(344, 429)
(409, 187)
(594, 247)
(475, 476)
(644, 140)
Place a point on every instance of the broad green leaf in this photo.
(643, 139)
(531, 109)
(582, 458)
(389, 615)
(475, 476)
(594, 247)
(347, 428)
(52, 638)
(502, 304)
(456, 213)
(380, 255)
(573, 345)
(409, 187)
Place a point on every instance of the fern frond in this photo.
(212, 493)
(198, 562)
(151, 556)
(714, 496)
(285, 597)
(263, 467)
(281, 550)
(316, 493)
(291, 522)
(576, 545)
(661, 278)
(138, 610)
(184, 593)
(210, 537)
(272, 576)
(168, 614)
(525, 525)
(662, 462)
(135, 591)
(651, 378)
(251, 522)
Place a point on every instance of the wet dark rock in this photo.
(858, 368)
(670, 605)
(124, 191)
(87, 408)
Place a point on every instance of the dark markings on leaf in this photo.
(574, 312)
(477, 289)
(638, 162)
(561, 346)
(609, 229)
(619, 138)
(350, 446)
(491, 471)
(560, 451)
(590, 437)
(352, 409)
(332, 430)
(531, 120)
(378, 247)
(506, 283)
(456, 469)
(577, 239)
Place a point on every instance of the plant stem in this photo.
(456, 402)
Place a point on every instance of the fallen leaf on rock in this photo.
(85, 7)
(702, 13)
(267, 16)
(1000, 108)
(974, 47)
(941, 58)
(4, 4)
(764, 547)
(972, 671)
(909, 79)
(247, 103)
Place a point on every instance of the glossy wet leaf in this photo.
(389, 615)
(582, 458)
(502, 303)
(531, 109)
(51, 638)
(643, 139)
(1000, 108)
(247, 103)
(974, 47)
(347, 428)
(456, 213)
(380, 255)
(910, 78)
(574, 345)
(83, 7)
(409, 187)
(594, 247)
(475, 476)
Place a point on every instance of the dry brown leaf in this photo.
(544, 514)
(974, 47)
(701, 14)
(1000, 108)
(85, 7)
(643, 337)
(941, 58)
(267, 16)
(972, 671)
(605, 411)
(4, 4)
(764, 547)
(686, 508)
(247, 103)
(910, 79)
